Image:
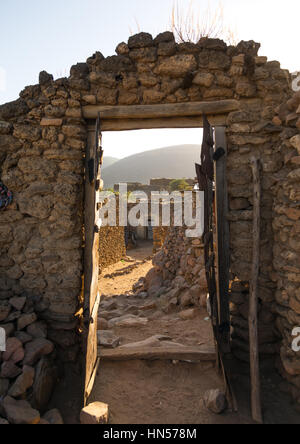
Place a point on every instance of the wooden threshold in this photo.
(158, 353)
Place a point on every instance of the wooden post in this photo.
(253, 305)
(222, 236)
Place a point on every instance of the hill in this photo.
(108, 161)
(174, 162)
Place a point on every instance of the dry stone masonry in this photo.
(43, 137)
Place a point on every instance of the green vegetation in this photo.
(180, 185)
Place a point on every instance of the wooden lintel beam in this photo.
(171, 122)
(160, 111)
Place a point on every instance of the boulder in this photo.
(53, 417)
(188, 314)
(36, 349)
(107, 339)
(127, 321)
(23, 382)
(215, 401)
(25, 320)
(20, 412)
(9, 370)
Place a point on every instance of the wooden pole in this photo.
(253, 305)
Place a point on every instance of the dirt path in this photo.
(154, 392)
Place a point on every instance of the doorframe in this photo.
(186, 115)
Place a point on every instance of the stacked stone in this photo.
(42, 140)
(178, 274)
(286, 225)
(111, 246)
(27, 369)
(42, 148)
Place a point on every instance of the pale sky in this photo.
(53, 35)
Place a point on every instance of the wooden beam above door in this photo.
(189, 109)
(165, 122)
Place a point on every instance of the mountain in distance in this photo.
(108, 161)
(172, 162)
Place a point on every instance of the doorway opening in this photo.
(155, 307)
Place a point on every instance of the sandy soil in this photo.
(155, 392)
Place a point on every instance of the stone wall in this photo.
(42, 146)
(159, 237)
(112, 246)
(286, 250)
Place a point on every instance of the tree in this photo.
(179, 185)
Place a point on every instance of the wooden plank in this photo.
(164, 110)
(159, 353)
(157, 123)
(253, 303)
(91, 271)
(222, 240)
(90, 385)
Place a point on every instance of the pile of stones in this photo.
(178, 275)
(27, 369)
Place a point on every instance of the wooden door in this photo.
(93, 163)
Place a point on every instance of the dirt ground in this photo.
(155, 392)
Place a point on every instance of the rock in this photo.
(23, 337)
(18, 303)
(45, 78)
(23, 382)
(107, 339)
(102, 324)
(127, 321)
(122, 49)
(141, 40)
(5, 309)
(177, 66)
(53, 417)
(20, 412)
(186, 299)
(9, 370)
(44, 383)
(36, 349)
(170, 306)
(154, 341)
(150, 306)
(4, 386)
(25, 320)
(37, 330)
(215, 401)
(188, 314)
(109, 305)
(164, 37)
(14, 350)
(96, 413)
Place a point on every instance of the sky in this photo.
(53, 35)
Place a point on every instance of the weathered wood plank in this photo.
(157, 123)
(222, 244)
(253, 303)
(160, 111)
(91, 270)
(159, 353)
